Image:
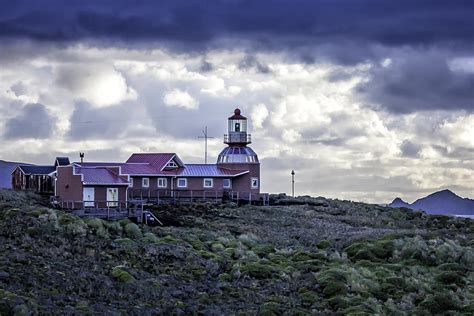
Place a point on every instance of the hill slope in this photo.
(442, 202)
(325, 256)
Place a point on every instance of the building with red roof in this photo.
(157, 177)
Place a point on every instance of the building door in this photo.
(112, 197)
(88, 197)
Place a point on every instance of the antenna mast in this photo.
(205, 137)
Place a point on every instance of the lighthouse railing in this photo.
(237, 138)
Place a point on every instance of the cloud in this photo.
(275, 25)
(99, 84)
(180, 98)
(259, 115)
(88, 122)
(409, 149)
(251, 62)
(34, 121)
(303, 116)
(419, 82)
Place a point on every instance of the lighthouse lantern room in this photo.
(237, 140)
(237, 130)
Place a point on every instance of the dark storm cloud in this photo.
(409, 149)
(251, 62)
(33, 121)
(276, 23)
(420, 82)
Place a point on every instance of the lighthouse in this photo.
(239, 156)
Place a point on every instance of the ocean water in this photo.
(468, 216)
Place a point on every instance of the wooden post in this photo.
(191, 196)
(216, 196)
(141, 215)
(250, 198)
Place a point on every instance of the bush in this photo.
(113, 227)
(335, 288)
(97, 225)
(217, 247)
(263, 250)
(150, 238)
(260, 271)
(132, 230)
(121, 275)
(249, 239)
(450, 277)
(324, 244)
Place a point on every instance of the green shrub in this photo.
(150, 238)
(249, 239)
(97, 225)
(197, 244)
(269, 309)
(450, 277)
(66, 218)
(121, 275)
(132, 230)
(334, 288)
(125, 241)
(217, 247)
(308, 298)
(324, 244)
(124, 222)
(113, 227)
(263, 250)
(440, 302)
(259, 270)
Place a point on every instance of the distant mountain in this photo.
(442, 202)
(6, 169)
(398, 202)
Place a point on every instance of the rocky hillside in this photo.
(300, 256)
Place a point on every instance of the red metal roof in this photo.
(126, 168)
(100, 175)
(237, 115)
(201, 170)
(156, 159)
(152, 165)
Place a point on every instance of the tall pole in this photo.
(293, 183)
(206, 137)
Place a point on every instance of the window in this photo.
(162, 183)
(182, 182)
(237, 127)
(172, 164)
(254, 182)
(131, 182)
(227, 183)
(145, 182)
(208, 183)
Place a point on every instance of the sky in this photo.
(366, 100)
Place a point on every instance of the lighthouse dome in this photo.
(237, 155)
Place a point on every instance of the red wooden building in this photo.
(158, 177)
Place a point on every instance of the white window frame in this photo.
(143, 182)
(185, 183)
(251, 182)
(165, 182)
(227, 186)
(172, 164)
(131, 182)
(207, 179)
